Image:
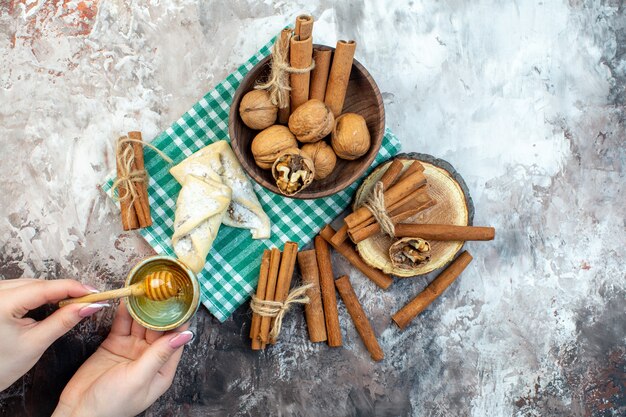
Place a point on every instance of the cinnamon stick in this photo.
(363, 233)
(347, 251)
(129, 215)
(270, 291)
(339, 76)
(432, 291)
(319, 75)
(255, 327)
(388, 178)
(285, 40)
(304, 26)
(395, 193)
(362, 324)
(340, 236)
(420, 200)
(301, 56)
(327, 286)
(392, 173)
(414, 199)
(414, 167)
(314, 311)
(141, 203)
(285, 272)
(445, 232)
(285, 275)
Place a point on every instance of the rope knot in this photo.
(376, 204)
(127, 174)
(278, 309)
(278, 82)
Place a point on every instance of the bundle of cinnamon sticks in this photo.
(405, 195)
(132, 182)
(327, 81)
(274, 282)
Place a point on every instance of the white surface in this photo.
(525, 99)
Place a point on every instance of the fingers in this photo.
(6, 284)
(61, 321)
(156, 358)
(152, 336)
(165, 376)
(28, 297)
(137, 330)
(170, 367)
(123, 321)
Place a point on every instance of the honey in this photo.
(172, 312)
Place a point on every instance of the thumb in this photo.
(157, 357)
(63, 320)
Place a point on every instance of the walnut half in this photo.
(409, 253)
(293, 171)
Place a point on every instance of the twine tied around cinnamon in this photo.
(278, 309)
(128, 174)
(278, 82)
(376, 204)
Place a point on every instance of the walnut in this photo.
(323, 156)
(409, 253)
(269, 143)
(257, 111)
(311, 121)
(350, 138)
(293, 171)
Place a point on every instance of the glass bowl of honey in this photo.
(170, 313)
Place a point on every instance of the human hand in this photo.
(22, 339)
(129, 371)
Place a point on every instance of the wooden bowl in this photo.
(362, 97)
(454, 206)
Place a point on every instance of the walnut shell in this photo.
(293, 171)
(269, 143)
(409, 253)
(311, 121)
(350, 138)
(257, 110)
(323, 156)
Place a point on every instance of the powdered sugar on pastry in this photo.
(200, 209)
(218, 161)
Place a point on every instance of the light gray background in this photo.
(526, 100)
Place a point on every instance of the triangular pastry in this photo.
(200, 209)
(218, 161)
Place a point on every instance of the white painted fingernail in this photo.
(91, 289)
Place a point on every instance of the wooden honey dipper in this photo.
(157, 286)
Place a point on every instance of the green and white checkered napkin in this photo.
(231, 272)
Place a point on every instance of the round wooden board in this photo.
(454, 206)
